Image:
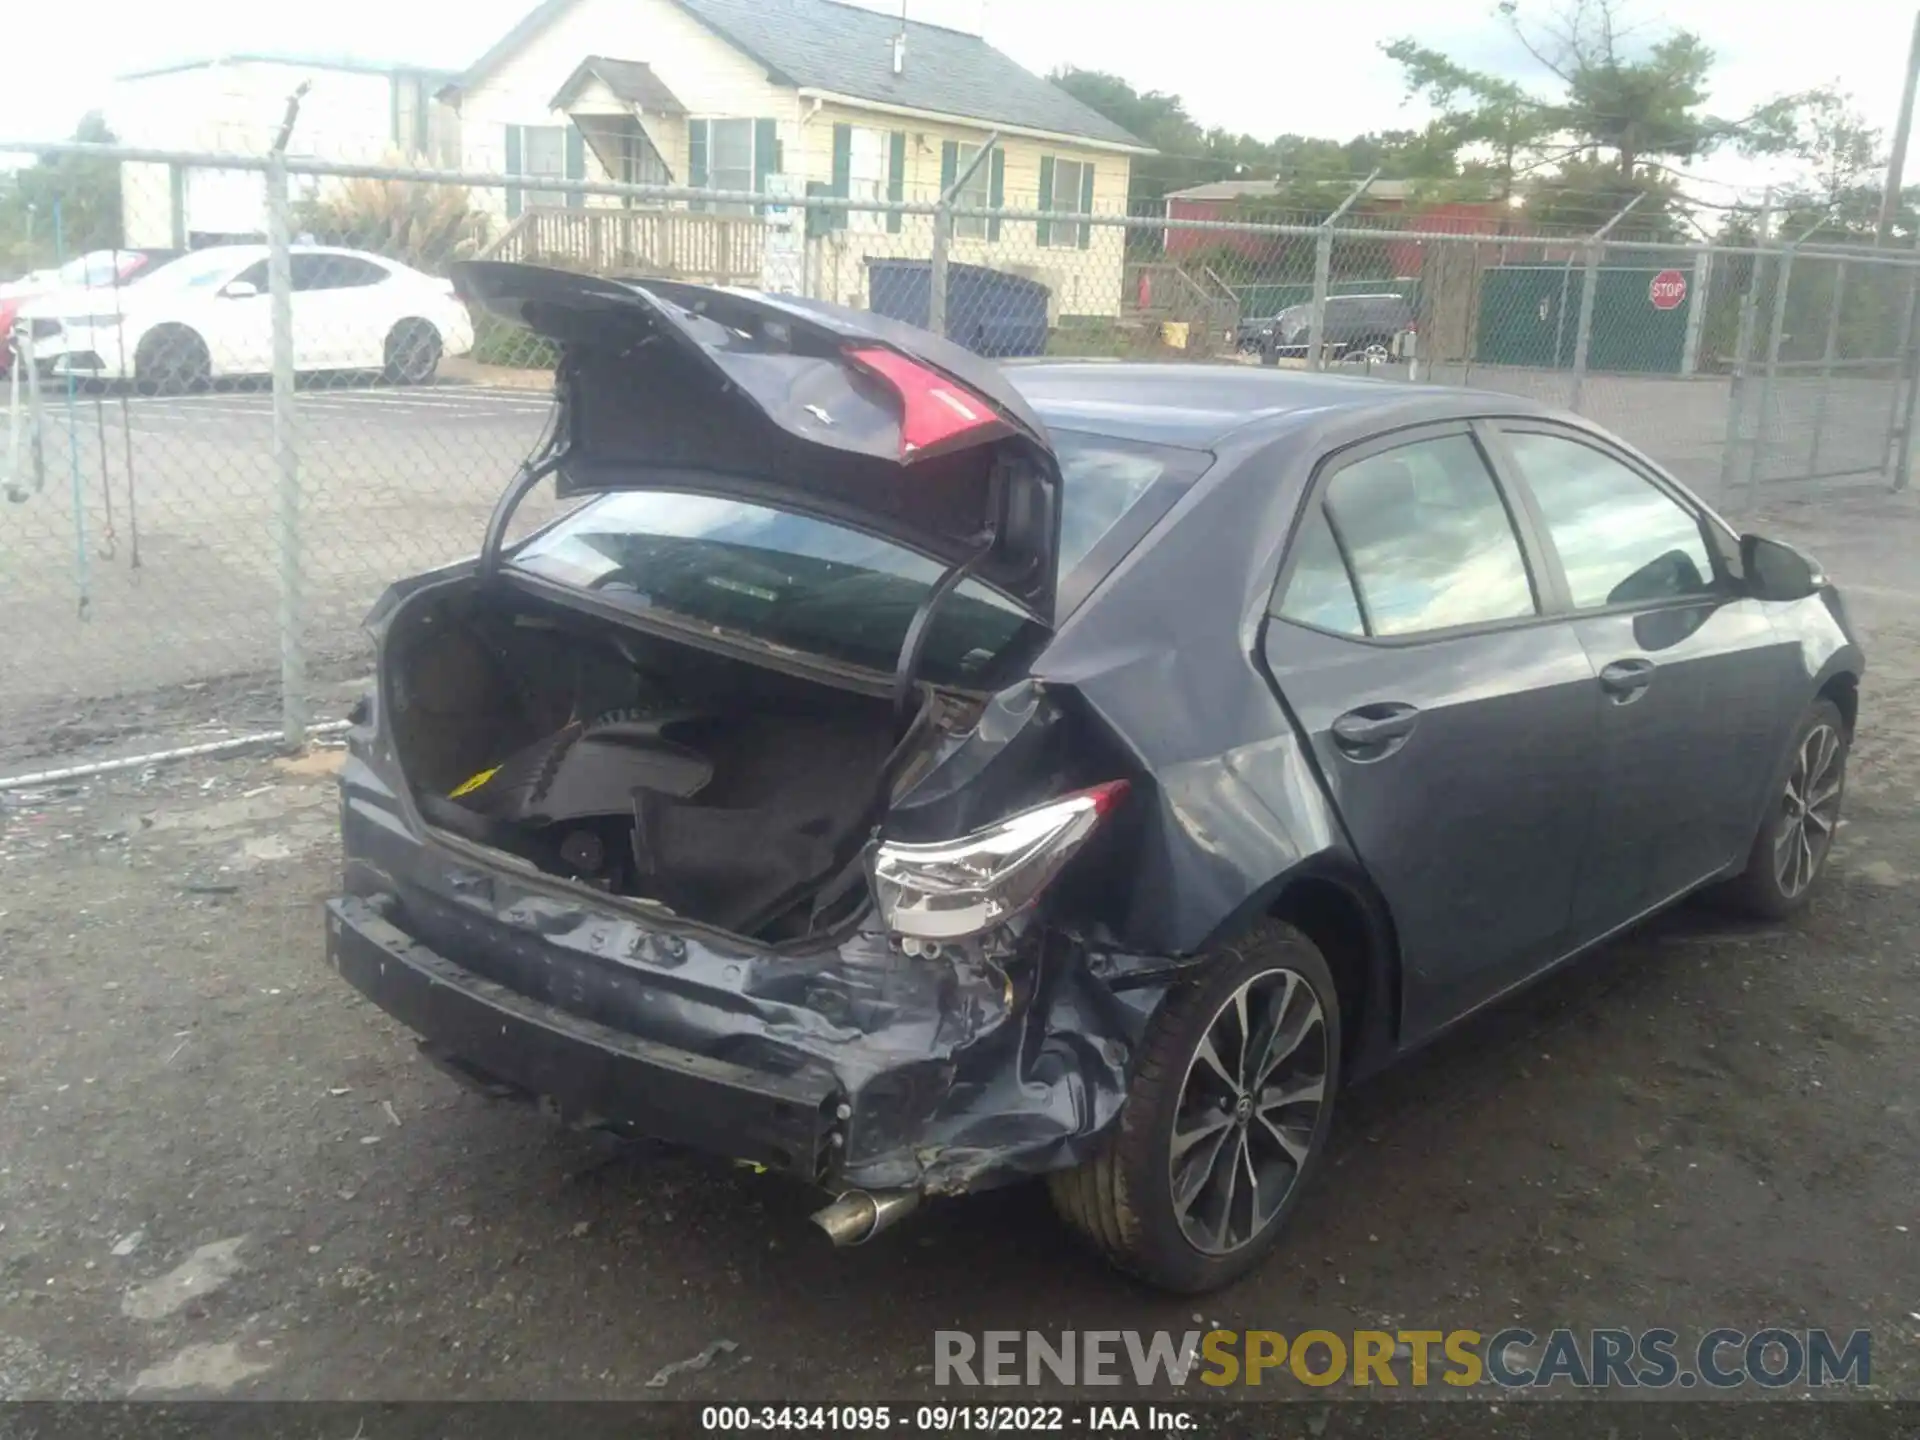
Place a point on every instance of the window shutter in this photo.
(996, 190)
(896, 176)
(842, 172)
(513, 168)
(697, 154)
(949, 166)
(576, 165)
(766, 153)
(1043, 229)
(1086, 203)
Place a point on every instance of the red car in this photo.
(95, 270)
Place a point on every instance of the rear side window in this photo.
(1621, 539)
(334, 272)
(1423, 540)
(1320, 592)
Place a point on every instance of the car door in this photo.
(236, 320)
(1697, 687)
(1451, 716)
(340, 319)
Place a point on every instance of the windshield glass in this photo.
(817, 587)
(97, 268)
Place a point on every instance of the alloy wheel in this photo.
(1248, 1110)
(1810, 810)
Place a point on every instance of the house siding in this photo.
(710, 77)
(1081, 282)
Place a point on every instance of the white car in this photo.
(207, 315)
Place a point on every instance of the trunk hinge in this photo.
(544, 460)
(914, 646)
(907, 669)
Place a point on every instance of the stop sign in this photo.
(1667, 289)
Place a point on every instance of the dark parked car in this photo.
(1357, 327)
(913, 775)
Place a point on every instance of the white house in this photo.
(803, 95)
(351, 110)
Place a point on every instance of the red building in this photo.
(1388, 204)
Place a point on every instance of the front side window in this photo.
(1426, 540)
(1621, 539)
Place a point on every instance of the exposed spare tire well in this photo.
(733, 793)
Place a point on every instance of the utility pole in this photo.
(1897, 160)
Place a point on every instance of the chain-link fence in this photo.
(244, 394)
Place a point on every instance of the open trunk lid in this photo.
(796, 404)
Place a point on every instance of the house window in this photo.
(543, 151)
(977, 192)
(730, 159)
(867, 177)
(1068, 195)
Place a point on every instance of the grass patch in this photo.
(500, 342)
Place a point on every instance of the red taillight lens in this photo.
(935, 411)
(956, 888)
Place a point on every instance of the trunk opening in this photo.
(735, 794)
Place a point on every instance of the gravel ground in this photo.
(223, 1174)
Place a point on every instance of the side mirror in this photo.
(241, 290)
(1777, 572)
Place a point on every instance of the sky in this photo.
(1236, 62)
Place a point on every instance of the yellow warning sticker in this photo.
(468, 787)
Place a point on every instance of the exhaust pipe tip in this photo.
(859, 1215)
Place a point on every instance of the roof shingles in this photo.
(822, 45)
(846, 50)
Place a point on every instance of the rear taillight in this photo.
(955, 888)
(934, 411)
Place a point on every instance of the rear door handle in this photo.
(1625, 679)
(1367, 733)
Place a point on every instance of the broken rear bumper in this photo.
(850, 1065)
(594, 1075)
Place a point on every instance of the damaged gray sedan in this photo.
(912, 775)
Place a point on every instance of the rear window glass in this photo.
(813, 586)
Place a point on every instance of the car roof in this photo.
(1197, 405)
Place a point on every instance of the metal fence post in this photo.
(1317, 316)
(1323, 276)
(943, 235)
(286, 458)
(1827, 354)
(1742, 355)
(1776, 327)
(1697, 299)
(937, 272)
(1589, 288)
(1910, 360)
(1583, 330)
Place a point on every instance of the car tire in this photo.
(412, 353)
(1126, 1201)
(170, 361)
(1796, 837)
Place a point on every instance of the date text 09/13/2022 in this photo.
(993, 1419)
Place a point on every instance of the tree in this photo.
(1638, 105)
(61, 206)
(1302, 164)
